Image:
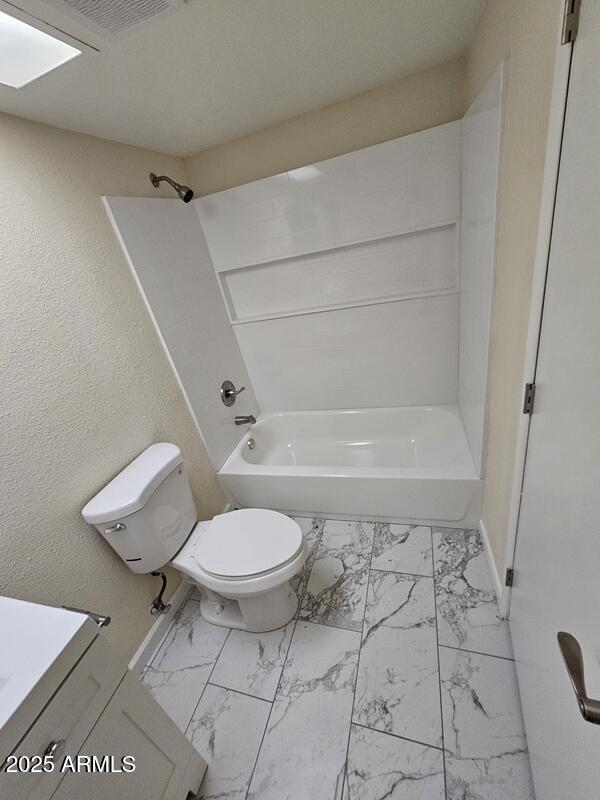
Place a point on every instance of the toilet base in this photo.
(259, 613)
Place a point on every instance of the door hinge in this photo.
(529, 398)
(570, 25)
(509, 578)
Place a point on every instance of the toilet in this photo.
(241, 561)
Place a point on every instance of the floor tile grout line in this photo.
(287, 652)
(476, 652)
(239, 691)
(352, 521)
(397, 736)
(362, 630)
(208, 681)
(398, 572)
(266, 728)
(437, 639)
(329, 625)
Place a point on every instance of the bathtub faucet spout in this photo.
(249, 420)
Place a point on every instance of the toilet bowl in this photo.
(241, 561)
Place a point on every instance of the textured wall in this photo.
(525, 34)
(405, 106)
(85, 384)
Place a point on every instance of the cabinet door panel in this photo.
(69, 716)
(133, 724)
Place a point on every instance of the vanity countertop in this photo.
(38, 647)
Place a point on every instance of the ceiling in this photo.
(216, 70)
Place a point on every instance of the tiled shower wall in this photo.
(341, 277)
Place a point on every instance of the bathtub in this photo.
(410, 464)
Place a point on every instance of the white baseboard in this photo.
(160, 627)
(498, 587)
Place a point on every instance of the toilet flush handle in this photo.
(115, 528)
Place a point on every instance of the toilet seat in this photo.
(248, 543)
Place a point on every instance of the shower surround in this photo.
(362, 283)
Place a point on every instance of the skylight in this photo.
(27, 53)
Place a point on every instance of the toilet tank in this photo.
(147, 511)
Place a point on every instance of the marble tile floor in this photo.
(394, 682)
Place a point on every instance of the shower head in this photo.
(184, 192)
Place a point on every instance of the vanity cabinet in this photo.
(167, 765)
(65, 722)
(86, 709)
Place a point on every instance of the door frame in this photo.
(558, 107)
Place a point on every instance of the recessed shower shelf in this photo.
(398, 266)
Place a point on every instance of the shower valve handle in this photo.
(229, 392)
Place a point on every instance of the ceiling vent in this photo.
(113, 18)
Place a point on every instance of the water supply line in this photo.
(158, 607)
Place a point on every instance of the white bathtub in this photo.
(409, 464)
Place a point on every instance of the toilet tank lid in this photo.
(130, 489)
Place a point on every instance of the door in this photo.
(557, 580)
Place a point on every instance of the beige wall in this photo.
(525, 34)
(85, 385)
(406, 106)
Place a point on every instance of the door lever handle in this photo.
(573, 658)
